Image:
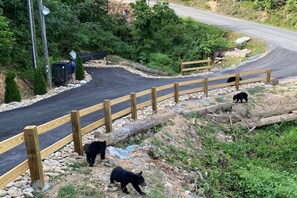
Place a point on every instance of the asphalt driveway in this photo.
(110, 83)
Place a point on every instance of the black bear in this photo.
(232, 79)
(240, 96)
(125, 177)
(94, 149)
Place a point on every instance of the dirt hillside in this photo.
(162, 177)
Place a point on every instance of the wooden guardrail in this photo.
(184, 69)
(30, 136)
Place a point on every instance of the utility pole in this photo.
(44, 43)
(33, 36)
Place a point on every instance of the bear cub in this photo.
(93, 150)
(125, 177)
(241, 96)
(232, 79)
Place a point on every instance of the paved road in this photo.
(115, 82)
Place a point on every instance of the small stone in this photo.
(19, 178)
(47, 169)
(3, 193)
(28, 195)
(274, 81)
(53, 174)
(28, 190)
(15, 192)
(46, 179)
(20, 184)
(83, 82)
(187, 192)
(9, 185)
(73, 155)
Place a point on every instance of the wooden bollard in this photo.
(76, 131)
(205, 87)
(34, 157)
(133, 105)
(268, 78)
(181, 69)
(154, 99)
(209, 63)
(237, 79)
(107, 114)
(176, 92)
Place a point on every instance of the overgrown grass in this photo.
(262, 164)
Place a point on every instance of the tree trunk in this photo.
(274, 119)
(143, 125)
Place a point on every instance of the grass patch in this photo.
(220, 99)
(261, 164)
(76, 191)
(257, 91)
(80, 167)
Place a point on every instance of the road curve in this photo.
(110, 83)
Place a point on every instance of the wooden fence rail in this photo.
(208, 67)
(30, 136)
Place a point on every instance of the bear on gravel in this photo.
(125, 177)
(241, 96)
(94, 149)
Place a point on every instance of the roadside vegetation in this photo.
(274, 12)
(155, 37)
(258, 164)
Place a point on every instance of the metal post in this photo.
(33, 36)
(44, 42)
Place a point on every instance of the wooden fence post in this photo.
(237, 79)
(133, 105)
(176, 92)
(34, 157)
(76, 131)
(268, 78)
(209, 63)
(154, 99)
(107, 114)
(205, 88)
(181, 69)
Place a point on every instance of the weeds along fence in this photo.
(30, 135)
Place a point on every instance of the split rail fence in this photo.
(184, 69)
(30, 135)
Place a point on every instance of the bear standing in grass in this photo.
(125, 177)
(94, 149)
(241, 96)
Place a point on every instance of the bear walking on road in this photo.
(241, 96)
(125, 177)
(93, 150)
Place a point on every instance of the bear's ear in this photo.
(140, 173)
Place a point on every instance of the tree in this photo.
(39, 83)
(6, 41)
(80, 72)
(12, 92)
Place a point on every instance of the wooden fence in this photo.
(30, 136)
(183, 69)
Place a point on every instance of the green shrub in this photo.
(163, 62)
(80, 72)
(264, 182)
(12, 92)
(291, 5)
(39, 83)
